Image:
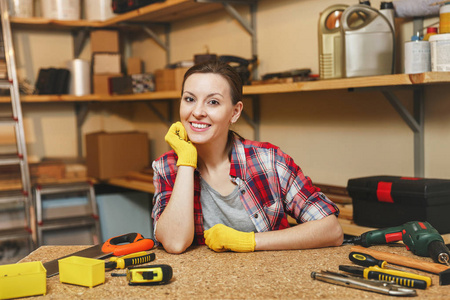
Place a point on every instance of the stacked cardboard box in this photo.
(169, 79)
(106, 59)
(114, 154)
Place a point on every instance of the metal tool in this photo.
(117, 246)
(367, 260)
(419, 237)
(401, 278)
(382, 287)
(442, 270)
(125, 261)
(148, 275)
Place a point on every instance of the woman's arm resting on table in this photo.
(314, 234)
(175, 227)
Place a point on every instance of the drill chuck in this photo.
(439, 252)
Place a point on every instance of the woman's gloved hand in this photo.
(177, 138)
(222, 238)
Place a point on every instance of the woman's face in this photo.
(206, 109)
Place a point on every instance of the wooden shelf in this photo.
(295, 87)
(168, 11)
(349, 83)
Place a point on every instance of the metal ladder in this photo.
(90, 220)
(18, 199)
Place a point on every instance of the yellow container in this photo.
(23, 280)
(81, 271)
(444, 18)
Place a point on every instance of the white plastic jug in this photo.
(368, 42)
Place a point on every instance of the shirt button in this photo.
(256, 216)
(242, 192)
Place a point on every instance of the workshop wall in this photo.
(333, 136)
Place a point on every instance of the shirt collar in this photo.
(238, 162)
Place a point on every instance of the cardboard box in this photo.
(114, 154)
(169, 79)
(106, 63)
(104, 41)
(100, 83)
(134, 66)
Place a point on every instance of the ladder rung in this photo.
(9, 159)
(9, 120)
(12, 196)
(71, 222)
(68, 188)
(5, 84)
(14, 233)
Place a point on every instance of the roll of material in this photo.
(80, 83)
(415, 8)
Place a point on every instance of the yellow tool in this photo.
(122, 262)
(148, 275)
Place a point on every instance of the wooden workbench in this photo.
(201, 273)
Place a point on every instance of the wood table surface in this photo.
(200, 273)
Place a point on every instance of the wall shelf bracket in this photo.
(254, 120)
(415, 122)
(81, 111)
(167, 120)
(165, 45)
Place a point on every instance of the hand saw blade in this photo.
(91, 252)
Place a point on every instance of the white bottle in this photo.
(417, 56)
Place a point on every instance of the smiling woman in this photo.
(232, 194)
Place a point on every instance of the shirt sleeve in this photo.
(303, 201)
(163, 182)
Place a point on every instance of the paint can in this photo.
(417, 56)
(440, 52)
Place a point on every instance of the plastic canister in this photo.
(444, 18)
(21, 8)
(440, 52)
(98, 10)
(368, 42)
(417, 56)
(61, 9)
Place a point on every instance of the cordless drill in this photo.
(419, 237)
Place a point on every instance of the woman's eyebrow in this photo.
(209, 95)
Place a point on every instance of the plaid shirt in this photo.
(271, 185)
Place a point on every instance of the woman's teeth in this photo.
(200, 126)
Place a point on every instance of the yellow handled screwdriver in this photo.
(401, 278)
(367, 260)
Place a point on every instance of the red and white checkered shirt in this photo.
(271, 187)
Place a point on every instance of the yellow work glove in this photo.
(177, 138)
(221, 238)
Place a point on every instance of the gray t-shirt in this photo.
(227, 210)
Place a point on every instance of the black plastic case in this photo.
(385, 201)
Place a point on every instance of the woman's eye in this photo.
(214, 102)
(188, 99)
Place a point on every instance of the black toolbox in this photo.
(385, 201)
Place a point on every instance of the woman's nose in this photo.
(198, 110)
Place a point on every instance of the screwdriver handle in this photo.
(399, 279)
(366, 260)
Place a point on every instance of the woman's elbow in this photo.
(336, 233)
(174, 248)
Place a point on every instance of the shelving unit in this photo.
(175, 10)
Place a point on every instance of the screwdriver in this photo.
(367, 260)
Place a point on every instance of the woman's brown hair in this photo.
(230, 75)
